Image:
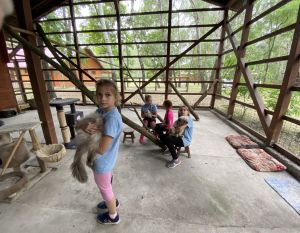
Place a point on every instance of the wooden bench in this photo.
(128, 134)
(186, 150)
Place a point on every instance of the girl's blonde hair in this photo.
(184, 107)
(112, 85)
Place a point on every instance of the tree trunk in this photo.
(141, 65)
(68, 35)
(271, 46)
(99, 11)
(138, 53)
(165, 38)
(200, 73)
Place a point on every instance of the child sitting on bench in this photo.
(149, 114)
(167, 124)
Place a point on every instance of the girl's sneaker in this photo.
(105, 219)
(103, 207)
(142, 141)
(173, 163)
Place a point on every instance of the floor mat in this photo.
(288, 189)
(260, 160)
(241, 141)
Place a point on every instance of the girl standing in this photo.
(107, 98)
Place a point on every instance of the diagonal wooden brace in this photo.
(256, 98)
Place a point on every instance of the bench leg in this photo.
(187, 149)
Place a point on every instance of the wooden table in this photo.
(22, 128)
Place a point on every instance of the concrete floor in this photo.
(215, 191)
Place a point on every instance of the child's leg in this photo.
(103, 181)
(152, 124)
(159, 129)
(142, 136)
(171, 142)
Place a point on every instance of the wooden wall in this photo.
(7, 96)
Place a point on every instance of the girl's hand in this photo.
(91, 128)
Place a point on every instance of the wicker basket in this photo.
(51, 153)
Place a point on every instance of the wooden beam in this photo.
(219, 61)
(7, 96)
(3, 49)
(241, 53)
(134, 14)
(272, 34)
(23, 10)
(256, 98)
(63, 66)
(116, 3)
(129, 74)
(289, 80)
(132, 29)
(154, 55)
(268, 11)
(20, 81)
(185, 102)
(44, 7)
(206, 93)
(75, 65)
(69, 74)
(176, 59)
(168, 49)
(14, 51)
(22, 30)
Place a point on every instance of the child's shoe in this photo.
(142, 141)
(173, 163)
(105, 219)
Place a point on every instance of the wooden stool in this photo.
(186, 150)
(128, 133)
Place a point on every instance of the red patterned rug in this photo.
(260, 160)
(241, 141)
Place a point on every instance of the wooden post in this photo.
(23, 10)
(203, 96)
(257, 100)
(289, 79)
(116, 3)
(219, 61)
(36, 146)
(241, 52)
(168, 49)
(7, 96)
